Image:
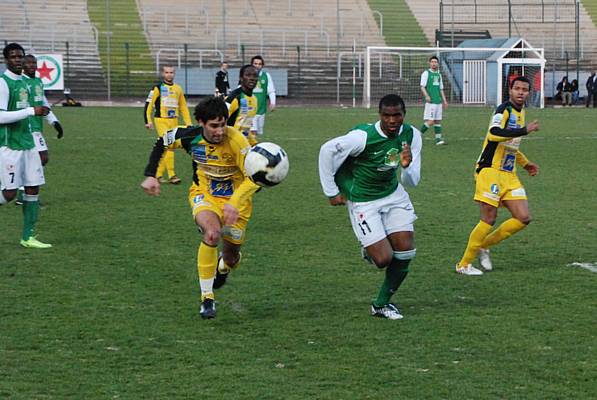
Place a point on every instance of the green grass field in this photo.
(111, 312)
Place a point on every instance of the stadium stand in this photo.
(44, 26)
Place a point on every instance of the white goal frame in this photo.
(536, 57)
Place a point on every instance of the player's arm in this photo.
(524, 162)
(423, 85)
(271, 92)
(184, 110)
(232, 103)
(149, 104)
(498, 129)
(52, 119)
(8, 117)
(411, 174)
(332, 155)
(240, 147)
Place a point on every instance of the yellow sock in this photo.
(207, 259)
(161, 167)
(169, 161)
(504, 231)
(475, 239)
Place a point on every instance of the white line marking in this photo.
(590, 266)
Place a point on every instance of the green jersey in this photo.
(372, 174)
(432, 82)
(16, 135)
(264, 87)
(36, 98)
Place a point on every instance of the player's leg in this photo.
(427, 118)
(521, 217)
(487, 194)
(159, 130)
(207, 257)
(10, 176)
(171, 123)
(437, 124)
(32, 180)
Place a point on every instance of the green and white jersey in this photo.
(263, 90)
(15, 127)
(433, 83)
(363, 164)
(37, 98)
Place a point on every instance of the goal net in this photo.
(471, 76)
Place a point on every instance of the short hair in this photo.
(211, 108)
(520, 79)
(30, 56)
(223, 62)
(433, 58)
(257, 57)
(167, 66)
(241, 73)
(391, 100)
(12, 46)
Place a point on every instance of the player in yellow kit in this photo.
(220, 196)
(242, 103)
(497, 184)
(166, 100)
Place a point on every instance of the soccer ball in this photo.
(266, 164)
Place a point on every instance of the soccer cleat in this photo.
(468, 270)
(221, 274)
(388, 311)
(18, 202)
(208, 309)
(175, 180)
(33, 243)
(485, 260)
(161, 179)
(439, 142)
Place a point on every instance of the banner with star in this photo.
(50, 70)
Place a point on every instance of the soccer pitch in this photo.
(111, 312)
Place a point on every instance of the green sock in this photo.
(395, 275)
(30, 214)
(438, 131)
(20, 194)
(424, 127)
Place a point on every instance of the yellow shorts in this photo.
(200, 200)
(163, 125)
(494, 186)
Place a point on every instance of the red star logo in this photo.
(44, 71)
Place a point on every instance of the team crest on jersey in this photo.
(199, 154)
(23, 101)
(391, 160)
(495, 189)
(227, 157)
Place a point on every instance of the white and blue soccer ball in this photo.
(266, 164)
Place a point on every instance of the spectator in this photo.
(565, 91)
(575, 94)
(222, 84)
(591, 86)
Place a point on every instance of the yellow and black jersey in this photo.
(242, 108)
(219, 167)
(166, 101)
(501, 145)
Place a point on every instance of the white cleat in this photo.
(485, 260)
(468, 270)
(388, 311)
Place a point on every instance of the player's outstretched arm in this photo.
(151, 186)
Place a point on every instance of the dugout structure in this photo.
(477, 72)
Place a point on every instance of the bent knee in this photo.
(212, 236)
(383, 260)
(526, 219)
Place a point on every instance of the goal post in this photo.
(470, 75)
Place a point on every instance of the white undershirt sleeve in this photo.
(8, 117)
(271, 90)
(333, 153)
(411, 175)
(51, 117)
(423, 79)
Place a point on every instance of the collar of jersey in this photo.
(381, 133)
(12, 75)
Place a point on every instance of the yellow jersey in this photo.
(242, 108)
(167, 101)
(501, 145)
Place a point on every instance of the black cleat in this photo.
(220, 278)
(208, 309)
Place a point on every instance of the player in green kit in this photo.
(432, 87)
(360, 169)
(264, 90)
(20, 164)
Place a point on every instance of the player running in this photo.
(497, 184)
(220, 196)
(360, 169)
